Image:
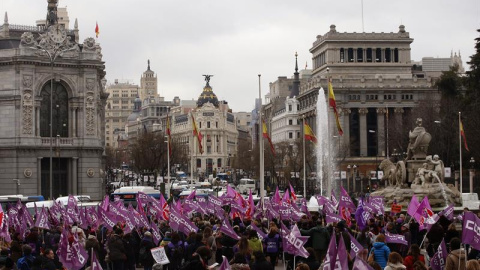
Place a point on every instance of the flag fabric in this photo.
(179, 223)
(292, 193)
(331, 257)
(42, 220)
(395, 238)
(95, 264)
(333, 104)
(447, 212)
(265, 135)
(97, 30)
(333, 198)
(360, 264)
(198, 134)
(295, 243)
(169, 135)
(308, 132)
(412, 207)
(462, 132)
(424, 214)
(439, 259)
(227, 229)
(342, 257)
(355, 246)
(345, 200)
(471, 231)
(225, 265)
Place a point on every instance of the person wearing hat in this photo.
(145, 256)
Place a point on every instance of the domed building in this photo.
(217, 125)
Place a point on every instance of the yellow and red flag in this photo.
(197, 134)
(333, 104)
(169, 135)
(309, 135)
(97, 30)
(265, 135)
(462, 132)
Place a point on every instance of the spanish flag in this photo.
(97, 30)
(462, 132)
(309, 135)
(197, 134)
(169, 135)
(265, 135)
(333, 104)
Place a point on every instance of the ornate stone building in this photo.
(219, 130)
(36, 126)
(371, 75)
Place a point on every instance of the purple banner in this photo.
(331, 218)
(227, 229)
(395, 238)
(439, 259)
(447, 212)
(355, 246)
(471, 230)
(179, 223)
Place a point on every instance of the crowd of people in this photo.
(260, 244)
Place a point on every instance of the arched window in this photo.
(60, 111)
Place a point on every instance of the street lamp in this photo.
(354, 178)
(472, 173)
(55, 46)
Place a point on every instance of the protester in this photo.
(175, 251)
(380, 251)
(48, 262)
(419, 265)
(25, 262)
(261, 263)
(239, 262)
(116, 250)
(302, 266)
(395, 262)
(145, 256)
(9, 264)
(456, 257)
(473, 265)
(413, 256)
(272, 244)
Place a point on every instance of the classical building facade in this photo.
(219, 130)
(372, 78)
(148, 84)
(38, 125)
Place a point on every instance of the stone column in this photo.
(74, 123)
(374, 55)
(74, 176)
(382, 57)
(381, 131)
(363, 131)
(354, 55)
(37, 122)
(39, 175)
(397, 115)
(346, 128)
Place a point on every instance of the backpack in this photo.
(272, 244)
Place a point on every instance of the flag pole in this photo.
(304, 169)
(260, 143)
(192, 163)
(460, 148)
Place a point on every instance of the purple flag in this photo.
(95, 264)
(295, 243)
(440, 257)
(361, 216)
(395, 238)
(331, 257)
(360, 264)
(108, 218)
(471, 230)
(80, 254)
(342, 257)
(225, 265)
(412, 207)
(64, 251)
(345, 199)
(261, 234)
(331, 218)
(180, 223)
(334, 199)
(227, 229)
(355, 246)
(447, 212)
(42, 220)
(156, 233)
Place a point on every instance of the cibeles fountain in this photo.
(425, 173)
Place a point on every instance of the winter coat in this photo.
(454, 258)
(381, 252)
(255, 244)
(409, 261)
(147, 242)
(116, 249)
(397, 266)
(320, 237)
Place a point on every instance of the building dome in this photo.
(137, 107)
(207, 96)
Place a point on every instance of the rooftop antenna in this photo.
(363, 28)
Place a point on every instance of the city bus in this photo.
(13, 199)
(129, 194)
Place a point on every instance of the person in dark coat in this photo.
(116, 250)
(147, 242)
(48, 262)
(193, 246)
(261, 263)
(129, 251)
(320, 239)
(199, 259)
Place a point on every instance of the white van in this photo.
(245, 185)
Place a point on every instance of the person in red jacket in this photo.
(413, 256)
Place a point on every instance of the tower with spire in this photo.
(296, 80)
(148, 84)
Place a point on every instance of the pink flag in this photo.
(42, 220)
(412, 207)
(334, 199)
(276, 197)
(225, 265)
(342, 257)
(251, 206)
(105, 203)
(345, 200)
(95, 265)
(296, 242)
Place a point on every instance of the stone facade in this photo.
(76, 146)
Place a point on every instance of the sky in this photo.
(237, 40)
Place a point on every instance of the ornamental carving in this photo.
(27, 109)
(398, 110)
(89, 45)
(27, 173)
(27, 81)
(27, 40)
(90, 172)
(381, 110)
(90, 84)
(90, 113)
(363, 110)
